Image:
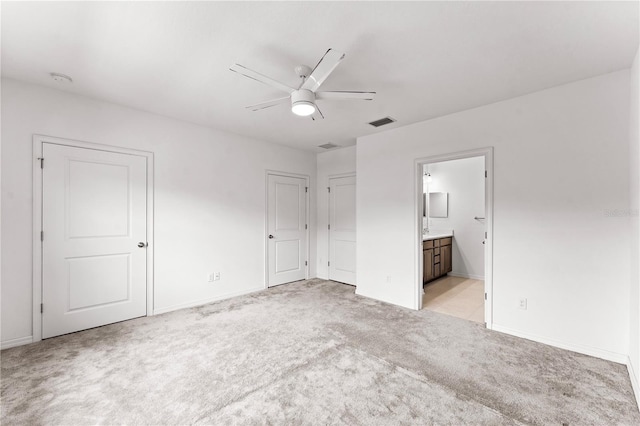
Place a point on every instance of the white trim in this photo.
(12, 343)
(634, 381)
(38, 141)
(340, 175)
(201, 302)
(470, 276)
(150, 233)
(36, 294)
(307, 180)
(582, 349)
(419, 231)
(488, 260)
(419, 163)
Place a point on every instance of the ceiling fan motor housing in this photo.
(303, 100)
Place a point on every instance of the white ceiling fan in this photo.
(303, 99)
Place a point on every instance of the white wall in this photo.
(209, 196)
(329, 163)
(464, 181)
(560, 168)
(634, 209)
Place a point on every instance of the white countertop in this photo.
(432, 235)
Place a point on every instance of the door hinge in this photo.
(41, 235)
(41, 159)
(328, 263)
(485, 173)
(485, 235)
(328, 226)
(485, 296)
(329, 188)
(305, 226)
(306, 189)
(305, 263)
(41, 307)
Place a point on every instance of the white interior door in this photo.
(93, 219)
(342, 229)
(287, 229)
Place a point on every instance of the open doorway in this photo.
(454, 218)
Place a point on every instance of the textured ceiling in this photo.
(425, 59)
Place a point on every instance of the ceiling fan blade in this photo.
(325, 67)
(268, 104)
(240, 69)
(317, 115)
(365, 96)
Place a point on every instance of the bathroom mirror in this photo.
(438, 204)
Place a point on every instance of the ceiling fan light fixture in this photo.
(303, 102)
(303, 108)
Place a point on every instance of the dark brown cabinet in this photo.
(436, 258)
(428, 264)
(445, 258)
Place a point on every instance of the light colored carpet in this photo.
(310, 352)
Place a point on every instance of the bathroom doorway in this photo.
(454, 218)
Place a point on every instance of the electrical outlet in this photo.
(216, 276)
(523, 304)
(210, 277)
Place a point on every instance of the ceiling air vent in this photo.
(328, 146)
(382, 122)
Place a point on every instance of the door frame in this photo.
(329, 177)
(419, 163)
(38, 142)
(307, 208)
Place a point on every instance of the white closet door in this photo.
(94, 247)
(287, 234)
(342, 229)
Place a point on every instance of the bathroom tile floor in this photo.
(455, 296)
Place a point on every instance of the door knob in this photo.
(270, 236)
(141, 244)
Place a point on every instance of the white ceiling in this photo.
(425, 59)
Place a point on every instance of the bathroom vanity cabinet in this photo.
(436, 258)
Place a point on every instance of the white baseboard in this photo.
(634, 381)
(16, 342)
(582, 349)
(29, 339)
(201, 302)
(470, 276)
(377, 298)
